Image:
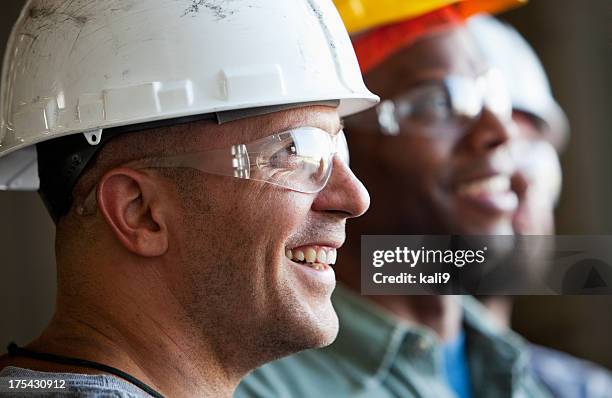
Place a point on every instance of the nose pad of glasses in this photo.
(465, 97)
(342, 149)
(327, 175)
(387, 119)
(497, 96)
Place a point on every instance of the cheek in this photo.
(239, 227)
(539, 162)
(272, 212)
(252, 221)
(265, 221)
(419, 163)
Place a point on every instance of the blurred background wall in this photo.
(27, 266)
(574, 40)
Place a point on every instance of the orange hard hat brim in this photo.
(361, 15)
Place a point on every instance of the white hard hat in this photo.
(507, 50)
(83, 66)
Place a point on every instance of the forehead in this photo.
(449, 52)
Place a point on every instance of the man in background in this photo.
(434, 163)
(543, 132)
(373, 360)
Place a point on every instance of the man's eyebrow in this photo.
(333, 125)
(332, 128)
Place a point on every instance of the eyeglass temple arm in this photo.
(233, 162)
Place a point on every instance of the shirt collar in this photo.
(372, 337)
(505, 349)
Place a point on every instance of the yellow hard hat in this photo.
(359, 15)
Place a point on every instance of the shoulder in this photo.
(4, 362)
(71, 384)
(305, 374)
(568, 376)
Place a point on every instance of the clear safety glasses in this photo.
(440, 107)
(299, 159)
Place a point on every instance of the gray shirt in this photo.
(29, 383)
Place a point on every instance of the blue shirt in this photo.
(456, 366)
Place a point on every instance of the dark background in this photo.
(574, 40)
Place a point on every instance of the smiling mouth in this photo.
(485, 186)
(319, 258)
(493, 192)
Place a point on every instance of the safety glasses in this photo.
(300, 159)
(440, 107)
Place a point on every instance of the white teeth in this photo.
(491, 185)
(321, 256)
(310, 255)
(331, 257)
(313, 255)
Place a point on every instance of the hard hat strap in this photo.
(62, 161)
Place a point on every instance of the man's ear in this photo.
(131, 204)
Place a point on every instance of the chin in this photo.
(328, 331)
(296, 326)
(484, 226)
(319, 329)
(501, 228)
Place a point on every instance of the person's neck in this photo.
(143, 339)
(442, 314)
(500, 308)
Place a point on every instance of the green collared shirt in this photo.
(375, 355)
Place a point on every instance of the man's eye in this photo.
(284, 158)
(434, 107)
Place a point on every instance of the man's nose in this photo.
(538, 170)
(344, 193)
(489, 133)
(520, 184)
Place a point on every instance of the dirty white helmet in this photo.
(78, 68)
(530, 90)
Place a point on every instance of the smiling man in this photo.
(199, 187)
(457, 174)
(436, 157)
